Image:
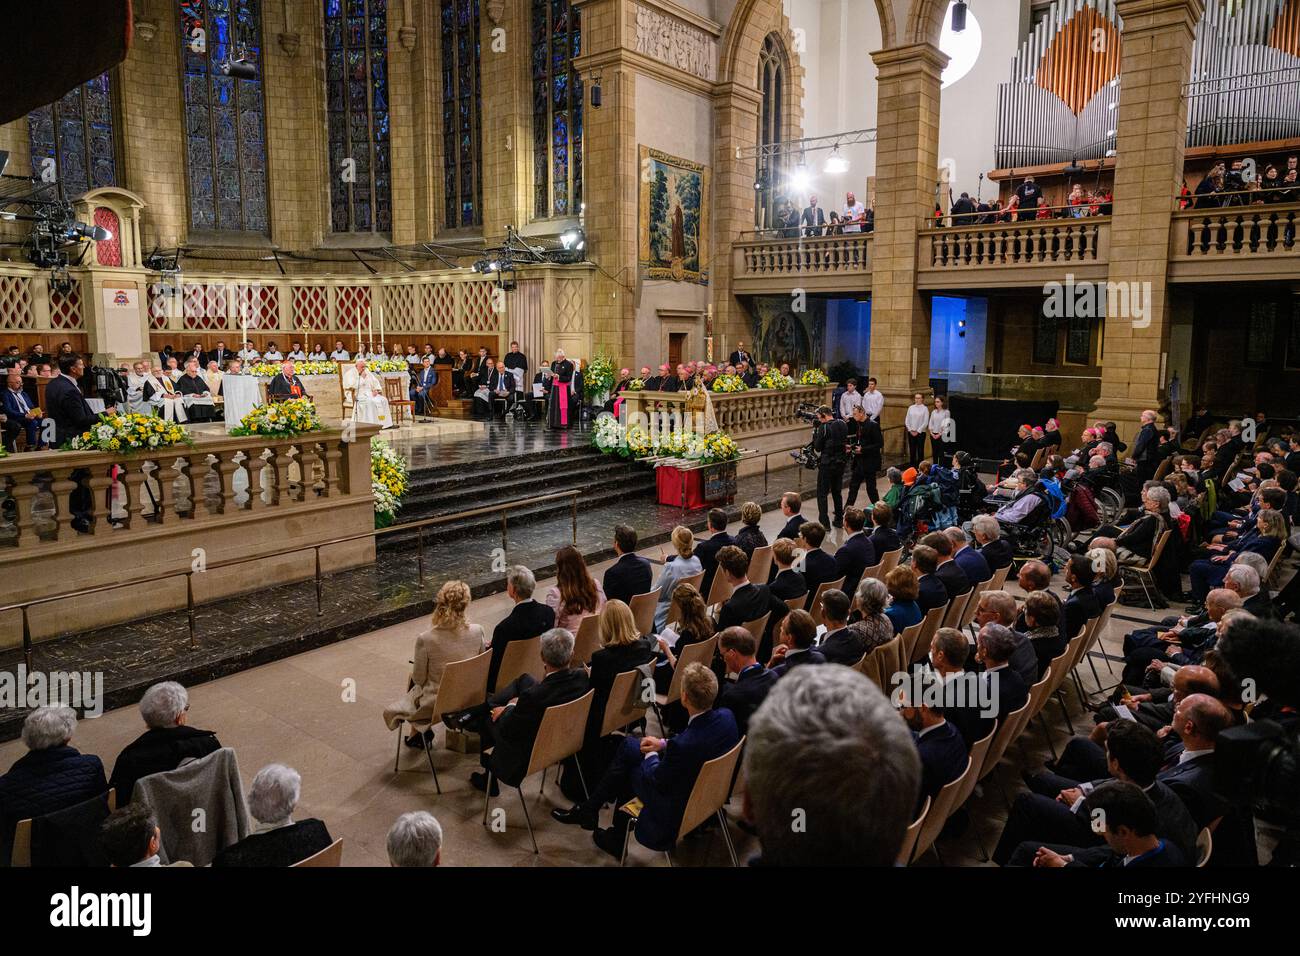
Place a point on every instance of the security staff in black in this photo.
(829, 440)
(865, 443)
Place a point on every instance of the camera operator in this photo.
(1259, 763)
(829, 441)
(865, 443)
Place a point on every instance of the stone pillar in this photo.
(1154, 64)
(507, 121)
(735, 125)
(907, 161)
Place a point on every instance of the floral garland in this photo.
(389, 480)
(129, 433)
(272, 369)
(719, 446)
(386, 365)
(774, 379)
(633, 441)
(636, 385)
(297, 416)
(814, 376)
(729, 384)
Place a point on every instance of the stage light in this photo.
(240, 69)
(595, 95)
(959, 16)
(80, 232)
(836, 165)
(573, 239)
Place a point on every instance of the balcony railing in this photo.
(1039, 242)
(740, 414)
(1207, 241)
(838, 261)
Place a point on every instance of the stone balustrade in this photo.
(815, 263)
(1239, 242)
(181, 507)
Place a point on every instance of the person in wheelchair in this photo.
(1028, 511)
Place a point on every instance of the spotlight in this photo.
(836, 165)
(240, 69)
(801, 179)
(959, 16)
(595, 95)
(574, 239)
(81, 232)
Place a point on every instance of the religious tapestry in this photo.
(674, 221)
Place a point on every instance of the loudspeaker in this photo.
(959, 16)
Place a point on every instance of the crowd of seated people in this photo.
(1027, 202)
(1244, 182)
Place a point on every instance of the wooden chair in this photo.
(890, 562)
(521, 657)
(940, 809)
(1145, 574)
(698, 653)
(929, 625)
(709, 795)
(399, 400)
(869, 666)
(1204, 847)
(815, 608)
(463, 685)
(908, 643)
(796, 603)
(760, 564)
(999, 579)
(719, 590)
(643, 611)
(972, 605)
(978, 751)
(695, 580)
(332, 855)
(890, 654)
(1006, 729)
(564, 726)
(587, 641)
(913, 832)
(757, 627)
(1163, 469)
(956, 607)
(20, 855)
(875, 571)
(625, 704)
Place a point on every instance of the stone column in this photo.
(1154, 64)
(735, 123)
(505, 38)
(907, 161)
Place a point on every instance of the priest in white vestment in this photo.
(368, 403)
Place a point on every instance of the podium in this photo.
(691, 487)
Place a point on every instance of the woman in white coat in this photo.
(941, 430)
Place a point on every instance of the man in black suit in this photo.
(787, 583)
(1133, 755)
(514, 713)
(840, 644)
(931, 592)
(999, 685)
(630, 574)
(425, 379)
(813, 218)
(526, 620)
(740, 355)
(747, 692)
(866, 441)
(1198, 721)
(165, 708)
(748, 601)
(817, 566)
(797, 637)
(884, 538)
(1129, 826)
(791, 505)
(286, 385)
(954, 579)
(1082, 605)
(997, 550)
(707, 550)
(64, 402)
(829, 441)
(856, 554)
(943, 752)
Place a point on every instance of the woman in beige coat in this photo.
(449, 638)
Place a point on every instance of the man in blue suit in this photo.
(707, 550)
(631, 574)
(967, 558)
(661, 773)
(941, 747)
(746, 693)
(421, 390)
(17, 406)
(931, 592)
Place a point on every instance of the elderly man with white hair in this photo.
(276, 840)
(967, 558)
(996, 550)
(52, 775)
(415, 840)
(165, 708)
(1244, 578)
(368, 401)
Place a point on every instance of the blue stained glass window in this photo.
(356, 101)
(557, 109)
(462, 153)
(225, 117)
(73, 137)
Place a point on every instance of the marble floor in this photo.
(299, 711)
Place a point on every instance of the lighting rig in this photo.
(55, 228)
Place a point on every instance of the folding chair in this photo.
(890, 562)
(913, 832)
(930, 624)
(695, 580)
(940, 809)
(908, 643)
(464, 684)
(700, 652)
(760, 564)
(796, 603)
(757, 627)
(332, 855)
(643, 611)
(587, 641)
(972, 605)
(956, 608)
(626, 704)
(521, 657)
(561, 735)
(719, 590)
(815, 608)
(708, 797)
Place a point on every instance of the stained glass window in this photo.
(225, 117)
(461, 112)
(771, 132)
(557, 109)
(73, 138)
(356, 98)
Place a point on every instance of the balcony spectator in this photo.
(855, 214)
(1027, 197)
(813, 219)
(787, 220)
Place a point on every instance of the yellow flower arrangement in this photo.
(388, 480)
(814, 376)
(729, 384)
(297, 416)
(272, 369)
(129, 432)
(719, 446)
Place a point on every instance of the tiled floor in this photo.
(297, 711)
